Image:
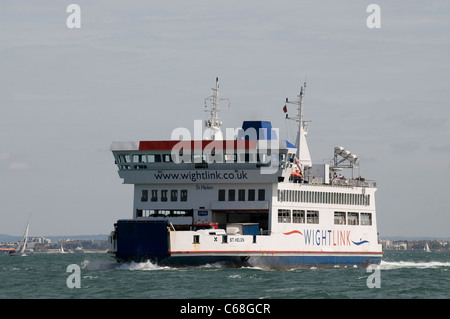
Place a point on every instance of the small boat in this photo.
(61, 248)
(20, 249)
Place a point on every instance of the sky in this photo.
(136, 70)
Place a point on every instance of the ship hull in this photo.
(140, 241)
(306, 260)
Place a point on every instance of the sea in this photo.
(401, 275)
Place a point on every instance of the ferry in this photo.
(249, 200)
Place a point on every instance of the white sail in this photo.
(21, 246)
(25, 237)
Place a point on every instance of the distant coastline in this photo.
(11, 238)
(57, 244)
(416, 244)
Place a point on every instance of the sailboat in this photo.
(427, 248)
(20, 249)
(61, 248)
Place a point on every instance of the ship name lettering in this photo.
(204, 187)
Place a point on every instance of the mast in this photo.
(300, 118)
(215, 106)
(213, 124)
(302, 147)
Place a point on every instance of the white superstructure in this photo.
(254, 200)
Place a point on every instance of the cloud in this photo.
(14, 165)
(18, 166)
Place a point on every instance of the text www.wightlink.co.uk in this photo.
(202, 176)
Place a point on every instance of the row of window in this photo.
(164, 195)
(242, 195)
(323, 197)
(352, 218)
(163, 213)
(141, 159)
(300, 216)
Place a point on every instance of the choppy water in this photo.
(403, 274)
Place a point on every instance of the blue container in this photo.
(250, 229)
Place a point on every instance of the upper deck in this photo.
(190, 161)
(217, 161)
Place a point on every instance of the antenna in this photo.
(299, 118)
(303, 155)
(213, 123)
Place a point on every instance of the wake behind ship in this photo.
(250, 200)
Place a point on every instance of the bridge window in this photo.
(139, 158)
(152, 158)
(124, 158)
